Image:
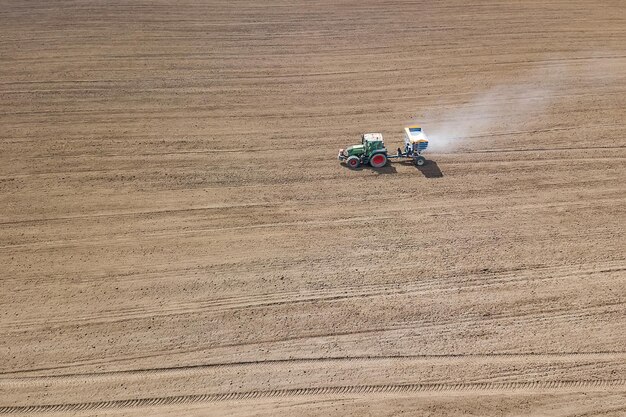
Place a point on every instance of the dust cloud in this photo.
(510, 107)
(507, 105)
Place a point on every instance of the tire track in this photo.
(130, 238)
(140, 213)
(272, 364)
(245, 301)
(479, 151)
(504, 387)
(513, 164)
(534, 317)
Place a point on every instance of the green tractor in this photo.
(371, 151)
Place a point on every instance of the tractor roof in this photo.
(373, 136)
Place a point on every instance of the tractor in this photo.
(372, 149)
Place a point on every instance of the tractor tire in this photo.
(378, 160)
(353, 162)
(420, 161)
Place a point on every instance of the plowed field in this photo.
(177, 236)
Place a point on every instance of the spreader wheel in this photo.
(353, 162)
(378, 160)
(420, 161)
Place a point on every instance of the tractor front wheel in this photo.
(379, 160)
(353, 162)
(420, 161)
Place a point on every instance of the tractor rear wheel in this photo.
(379, 160)
(353, 162)
(420, 161)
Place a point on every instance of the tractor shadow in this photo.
(387, 169)
(430, 169)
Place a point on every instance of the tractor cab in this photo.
(372, 142)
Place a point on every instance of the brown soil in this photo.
(178, 238)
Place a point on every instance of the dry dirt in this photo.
(178, 238)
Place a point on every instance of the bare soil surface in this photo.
(178, 238)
